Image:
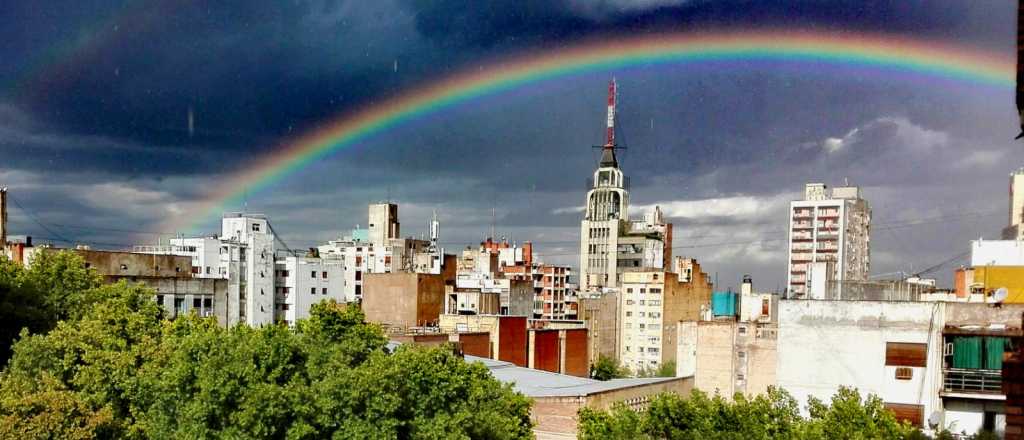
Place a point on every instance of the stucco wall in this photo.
(823, 345)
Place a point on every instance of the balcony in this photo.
(972, 381)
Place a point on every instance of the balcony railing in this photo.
(963, 380)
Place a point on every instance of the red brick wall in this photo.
(476, 344)
(545, 350)
(512, 337)
(576, 356)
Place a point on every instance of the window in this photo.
(324, 290)
(629, 290)
(312, 290)
(207, 303)
(207, 270)
(285, 307)
(284, 273)
(629, 302)
(911, 413)
(642, 326)
(741, 330)
(324, 275)
(196, 269)
(904, 354)
(641, 302)
(654, 302)
(652, 349)
(643, 290)
(124, 267)
(655, 290)
(359, 275)
(197, 303)
(359, 260)
(179, 305)
(160, 300)
(629, 314)
(904, 373)
(741, 354)
(255, 227)
(312, 274)
(643, 314)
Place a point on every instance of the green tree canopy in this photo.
(607, 368)
(121, 370)
(774, 415)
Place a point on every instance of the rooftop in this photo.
(539, 383)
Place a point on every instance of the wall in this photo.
(825, 344)
(403, 299)
(559, 414)
(575, 356)
(474, 343)
(544, 350)
(512, 340)
(715, 358)
(997, 253)
(1010, 277)
(601, 316)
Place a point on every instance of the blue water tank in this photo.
(723, 303)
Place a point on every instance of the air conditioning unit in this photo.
(947, 349)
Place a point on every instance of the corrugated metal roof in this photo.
(539, 383)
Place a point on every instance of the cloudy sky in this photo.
(96, 147)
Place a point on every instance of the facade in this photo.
(508, 334)
(301, 282)
(609, 242)
(403, 299)
(600, 314)
(927, 360)
(1014, 230)
(557, 350)
(830, 230)
(879, 347)
(170, 276)
(728, 356)
(651, 305)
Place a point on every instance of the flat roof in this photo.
(540, 383)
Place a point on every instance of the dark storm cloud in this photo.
(94, 120)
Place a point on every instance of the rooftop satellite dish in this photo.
(1000, 295)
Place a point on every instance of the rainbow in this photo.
(881, 52)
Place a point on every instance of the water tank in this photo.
(723, 303)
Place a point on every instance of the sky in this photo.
(97, 147)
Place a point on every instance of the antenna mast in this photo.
(610, 141)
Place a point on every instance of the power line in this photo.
(35, 219)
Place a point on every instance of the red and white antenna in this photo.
(611, 114)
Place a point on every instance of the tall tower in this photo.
(829, 239)
(606, 211)
(1014, 229)
(383, 223)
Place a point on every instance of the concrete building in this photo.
(402, 300)
(610, 242)
(1014, 230)
(301, 282)
(922, 358)
(830, 230)
(557, 398)
(651, 305)
(728, 356)
(380, 250)
(997, 252)
(177, 291)
(600, 314)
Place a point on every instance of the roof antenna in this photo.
(493, 220)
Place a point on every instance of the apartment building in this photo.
(829, 236)
(651, 304)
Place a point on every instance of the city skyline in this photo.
(98, 141)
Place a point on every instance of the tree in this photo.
(53, 288)
(773, 415)
(607, 368)
(121, 371)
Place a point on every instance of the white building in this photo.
(304, 281)
(379, 250)
(831, 229)
(1014, 230)
(877, 347)
(997, 253)
(609, 242)
(243, 254)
